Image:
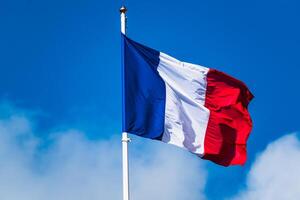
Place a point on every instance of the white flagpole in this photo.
(125, 138)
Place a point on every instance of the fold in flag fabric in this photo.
(193, 107)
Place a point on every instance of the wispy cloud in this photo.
(275, 175)
(66, 165)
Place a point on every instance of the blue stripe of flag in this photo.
(144, 91)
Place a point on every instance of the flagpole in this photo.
(125, 138)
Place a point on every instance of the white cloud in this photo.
(167, 173)
(275, 175)
(68, 166)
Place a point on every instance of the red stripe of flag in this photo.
(229, 123)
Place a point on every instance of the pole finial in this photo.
(123, 9)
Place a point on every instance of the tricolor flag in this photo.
(193, 107)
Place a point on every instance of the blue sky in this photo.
(61, 61)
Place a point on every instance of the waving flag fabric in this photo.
(187, 105)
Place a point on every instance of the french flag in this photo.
(193, 107)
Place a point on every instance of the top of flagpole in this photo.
(123, 11)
